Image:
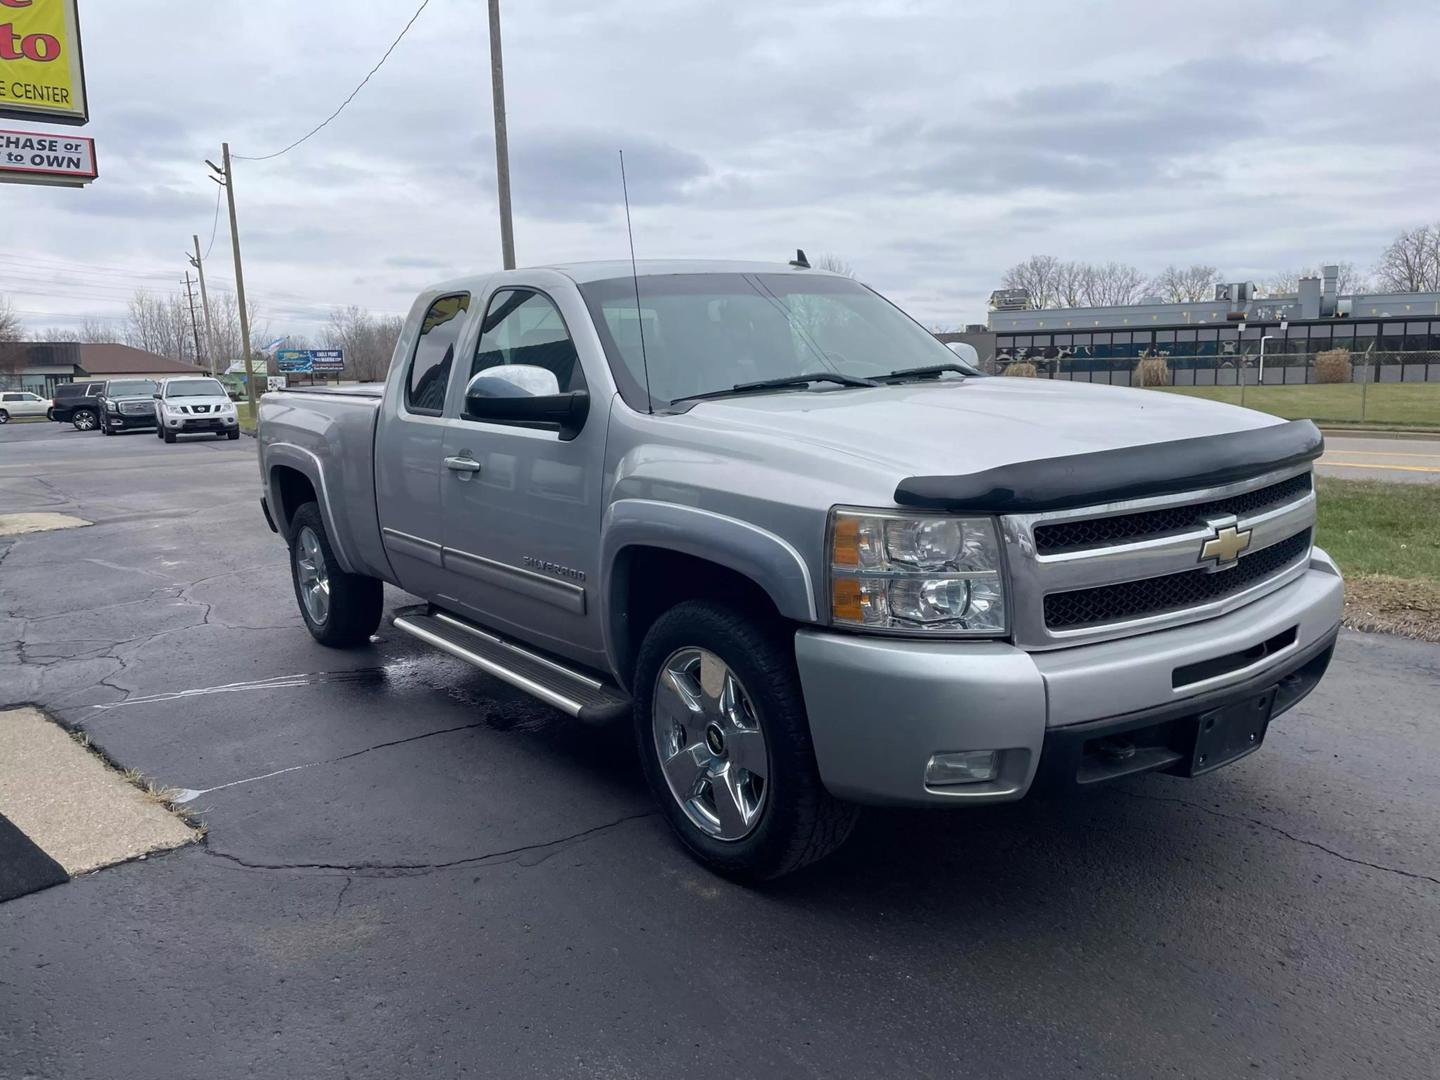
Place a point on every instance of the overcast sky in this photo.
(931, 143)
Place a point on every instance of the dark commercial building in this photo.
(1390, 337)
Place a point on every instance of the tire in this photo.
(50, 415)
(233, 433)
(354, 602)
(159, 432)
(4, 417)
(83, 420)
(168, 436)
(797, 821)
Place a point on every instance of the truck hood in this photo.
(980, 423)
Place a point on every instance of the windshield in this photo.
(131, 388)
(194, 388)
(708, 332)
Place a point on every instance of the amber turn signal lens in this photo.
(845, 602)
(845, 547)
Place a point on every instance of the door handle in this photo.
(462, 464)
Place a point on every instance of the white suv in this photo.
(21, 403)
(189, 404)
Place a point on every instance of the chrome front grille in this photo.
(1124, 568)
(136, 408)
(1170, 592)
(1097, 532)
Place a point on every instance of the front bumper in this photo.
(879, 708)
(130, 421)
(219, 422)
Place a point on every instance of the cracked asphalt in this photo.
(411, 870)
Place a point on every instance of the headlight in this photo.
(110, 406)
(926, 573)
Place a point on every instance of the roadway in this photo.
(413, 871)
(1398, 460)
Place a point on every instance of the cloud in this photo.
(930, 144)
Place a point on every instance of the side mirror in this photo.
(526, 394)
(155, 396)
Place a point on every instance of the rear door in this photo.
(521, 504)
(410, 444)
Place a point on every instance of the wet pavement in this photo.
(412, 870)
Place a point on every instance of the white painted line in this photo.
(275, 682)
(73, 806)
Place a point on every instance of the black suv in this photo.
(128, 405)
(77, 403)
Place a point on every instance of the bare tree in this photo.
(1070, 278)
(1038, 276)
(368, 340)
(1349, 280)
(12, 358)
(89, 332)
(1185, 284)
(835, 264)
(1113, 284)
(1412, 261)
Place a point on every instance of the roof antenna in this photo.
(799, 261)
(635, 276)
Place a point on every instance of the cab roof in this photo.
(584, 272)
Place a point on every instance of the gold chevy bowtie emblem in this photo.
(1226, 545)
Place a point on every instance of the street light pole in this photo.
(1263, 338)
(228, 183)
(199, 265)
(502, 142)
(194, 323)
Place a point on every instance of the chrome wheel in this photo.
(84, 421)
(710, 744)
(314, 579)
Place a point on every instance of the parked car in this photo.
(128, 405)
(187, 404)
(816, 560)
(15, 404)
(77, 403)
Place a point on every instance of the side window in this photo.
(523, 326)
(435, 354)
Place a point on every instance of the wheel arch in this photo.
(295, 476)
(659, 554)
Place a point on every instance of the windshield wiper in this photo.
(781, 384)
(924, 372)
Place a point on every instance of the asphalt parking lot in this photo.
(411, 870)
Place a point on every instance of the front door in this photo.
(521, 503)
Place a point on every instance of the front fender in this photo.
(765, 558)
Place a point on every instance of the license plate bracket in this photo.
(1222, 735)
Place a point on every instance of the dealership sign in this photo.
(35, 157)
(42, 74)
(309, 361)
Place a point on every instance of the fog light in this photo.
(962, 767)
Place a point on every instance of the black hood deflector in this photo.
(1132, 472)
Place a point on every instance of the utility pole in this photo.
(199, 265)
(502, 142)
(194, 325)
(228, 183)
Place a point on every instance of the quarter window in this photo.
(435, 354)
(523, 326)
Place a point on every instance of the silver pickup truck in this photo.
(819, 563)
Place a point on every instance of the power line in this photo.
(266, 157)
(214, 225)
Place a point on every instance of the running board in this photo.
(582, 696)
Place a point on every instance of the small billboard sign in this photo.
(309, 361)
(42, 73)
(36, 157)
